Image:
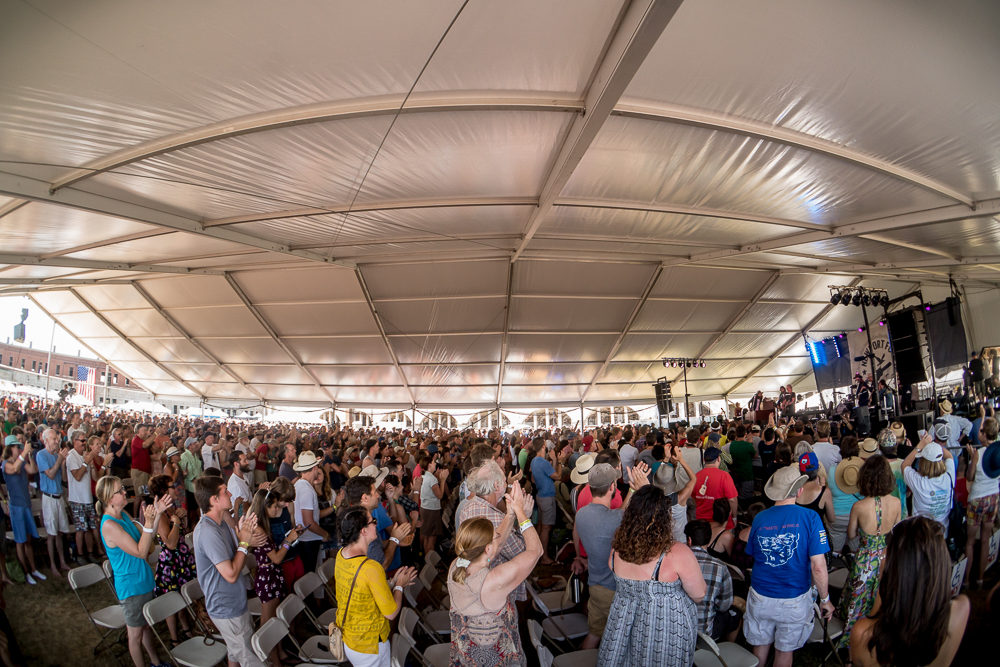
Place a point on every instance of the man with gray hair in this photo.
(50, 462)
(488, 484)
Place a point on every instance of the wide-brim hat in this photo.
(991, 460)
(581, 471)
(353, 472)
(785, 483)
(376, 473)
(868, 448)
(306, 461)
(897, 430)
(945, 406)
(849, 474)
(665, 479)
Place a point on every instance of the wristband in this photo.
(147, 530)
(244, 550)
(284, 545)
(244, 544)
(825, 600)
(394, 539)
(525, 525)
(397, 588)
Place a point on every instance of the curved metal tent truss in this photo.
(476, 204)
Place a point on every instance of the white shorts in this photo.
(784, 622)
(380, 659)
(236, 632)
(55, 515)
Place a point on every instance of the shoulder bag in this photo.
(336, 631)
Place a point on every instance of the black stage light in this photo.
(866, 299)
(835, 298)
(856, 299)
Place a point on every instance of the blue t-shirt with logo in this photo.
(782, 540)
(541, 474)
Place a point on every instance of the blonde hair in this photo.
(106, 488)
(473, 537)
(931, 468)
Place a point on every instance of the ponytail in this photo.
(473, 537)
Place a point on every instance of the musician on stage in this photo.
(863, 400)
(786, 401)
(754, 406)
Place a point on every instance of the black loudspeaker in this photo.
(914, 422)
(663, 397)
(946, 334)
(906, 349)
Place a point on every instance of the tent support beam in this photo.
(381, 330)
(15, 185)
(118, 332)
(187, 336)
(650, 284)
(274, 334)
(641, 25)
(790, 342)
(506, 331)
(96, 265)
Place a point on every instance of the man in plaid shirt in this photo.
(715, 616)
(488, 484)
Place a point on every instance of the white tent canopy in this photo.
(449, 205)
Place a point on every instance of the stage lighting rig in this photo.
(685, 363)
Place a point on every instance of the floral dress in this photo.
(482, 637)
(175, 567)
(859, 592)
(269, 582)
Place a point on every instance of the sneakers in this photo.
(30, 579)
(38, 575)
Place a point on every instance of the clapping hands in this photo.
(637, 476)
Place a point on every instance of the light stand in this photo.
(684, 363)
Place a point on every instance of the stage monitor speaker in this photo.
(914, 422)
(946, 334)
(906, 349)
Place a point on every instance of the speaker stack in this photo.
(664, 403)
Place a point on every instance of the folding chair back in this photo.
(108, 572)
(160, 608)
(308, 584)
(537, 599)
(191, 591)
(399, 648)
(427, 575)
(407, 623)
(433, 557)
(154, 556)
(535, 633)
(289, 608)
(326, 569)
(267, 637)
(84, 576)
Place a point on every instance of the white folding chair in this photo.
(553, 600)
(435, 655)
(307, 585)
(191, 592)
(837, 578)
(433, 557)
(722, 654)
(826, 632)
(194, 652)
(582, 658)
(433, 621)
(326, 570)
(314, 649)
(428, 573)
(106, 620)
(267, 637)
(559, 627)
(399, 648)
(109, 576)
(154, 556)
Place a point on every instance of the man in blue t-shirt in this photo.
(546, 468)
(788, 545)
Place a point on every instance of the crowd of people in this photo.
(728, 529)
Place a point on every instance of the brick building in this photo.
(64, 366)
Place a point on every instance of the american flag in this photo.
(86, 378)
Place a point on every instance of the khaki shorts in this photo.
(259, 477)
(54, 515)
(546, 510)
(236, 633)
(140, 482)
(598, 609)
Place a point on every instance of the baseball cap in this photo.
(942, 430)
(603, 474)
(712, 453)
(11, 440)
(932, 452)
(808, 462)
(755, 428)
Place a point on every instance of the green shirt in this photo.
(191, 466)
(522, 458)
(8, 427)
(742, 466)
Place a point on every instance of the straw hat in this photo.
(581, 471)
(353, 472)
(897, 430)
(946, 406)
(306, 461)
(378, 474)
(868, 448)
(849, 474)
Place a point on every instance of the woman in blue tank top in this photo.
(127, 546)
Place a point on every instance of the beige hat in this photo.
(353, 472)
(849, 474)
(665, 479)
(173, 451)
(306, 461)
(581, 470)
(945, 406)
(897, 430)
(378, 474)
(784, 483)
(868, 448)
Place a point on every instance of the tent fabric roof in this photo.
(470, 204)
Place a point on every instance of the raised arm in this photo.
(505, 577)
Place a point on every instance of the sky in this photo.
(38, 328)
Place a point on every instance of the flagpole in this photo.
(48, 364)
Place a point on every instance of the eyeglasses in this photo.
(373, 522)
(121, 490)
